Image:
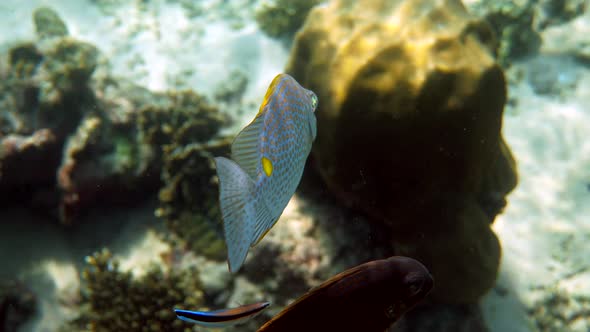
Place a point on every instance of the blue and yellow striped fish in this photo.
(268, 159)
(223, 317)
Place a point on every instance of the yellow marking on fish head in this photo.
(269, 92)
(267, 166)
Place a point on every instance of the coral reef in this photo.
(513, 23)
(554, 12)
(411, 102)
(48, 24)
(17, 305)
(114, 300)
(561, 310)
(46, 92)
(282, 18)
(103, 137)
(111, 157)
(188, 199)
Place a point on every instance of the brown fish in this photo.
(367, 298)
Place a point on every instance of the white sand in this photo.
(546, 227)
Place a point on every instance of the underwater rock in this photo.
(117, 156)
(113, 300)
(554, 12)
(282, 18)
(514, 24)
(48, 24)
(20, 157)
(45, 92)
(65, 94)
(17, 305)
(61, 103)
(102, 164)
(411, 102)
(189, 198)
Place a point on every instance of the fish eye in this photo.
(414, 284)
(314, 100)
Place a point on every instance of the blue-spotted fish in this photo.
(268, 157)
(223, 317)
(368, 298)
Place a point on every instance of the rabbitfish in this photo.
(267, 162)
(223, 317)
(368, 298)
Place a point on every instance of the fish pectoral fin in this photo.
(237, 209)
(244, 149)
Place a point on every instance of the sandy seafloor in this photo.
(544, 231)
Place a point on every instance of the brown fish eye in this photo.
(414, 284)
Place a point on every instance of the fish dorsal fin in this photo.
(244, 149)
(341, 279)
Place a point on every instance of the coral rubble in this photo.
(411, 102)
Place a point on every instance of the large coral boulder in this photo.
(411, 102)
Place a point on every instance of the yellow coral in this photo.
(409, 121)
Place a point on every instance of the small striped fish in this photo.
(223, 317)
(267, 162)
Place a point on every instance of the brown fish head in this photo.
(410, 284)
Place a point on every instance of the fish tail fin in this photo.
(237, 209)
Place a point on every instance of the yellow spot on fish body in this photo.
(267, 166)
